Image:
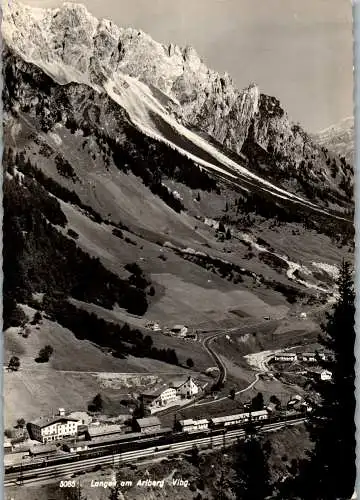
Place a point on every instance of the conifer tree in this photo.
(329, 473)
(114, 493)
(252, 480)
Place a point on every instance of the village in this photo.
(41, 435)
(303, 359)
(73, 430)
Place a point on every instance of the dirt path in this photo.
(250, 386)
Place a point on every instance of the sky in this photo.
(299, 51)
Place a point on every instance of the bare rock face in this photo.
(340, 139)
(70, 45)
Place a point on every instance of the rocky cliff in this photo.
(70, 45)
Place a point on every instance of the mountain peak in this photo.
(72, 46)
(339, 138)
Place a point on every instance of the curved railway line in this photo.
(216, 357)
(222, 368)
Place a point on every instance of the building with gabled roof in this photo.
(285, 356)
(188, 389)
(45, 449)
(179, 330)
(159, 398)
(53, 428)
(147, 424)
(190, 424)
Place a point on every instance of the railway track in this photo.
(115, 460)
(240, 330)
(222, 368)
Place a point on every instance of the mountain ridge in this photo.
(133, 179)
(102, 55)
(339, 138)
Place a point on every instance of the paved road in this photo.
(250, 386)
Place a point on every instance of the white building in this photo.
(155, 327)
(190, 425)
(309, 357)
(325, 375)
(179, 330)
(8, 447)
(188, 389)
(285, 356)
(159, 398)
(54, 428)
(167, 396)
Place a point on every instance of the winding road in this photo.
(242, 330)
(257, 377)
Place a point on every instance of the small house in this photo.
(41, 450)
(155, 327)
(286, 357)
(309, 357)
(188, 389)
(271, 408)
(8, 447)
(179, 330)
(148, 398)
(325, 375)
(147, 425)
(82, 416)
(75, 447)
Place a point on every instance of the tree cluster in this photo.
(96, 404)
(44, 354)
(122, 340)
(31, 241)
(329, 472)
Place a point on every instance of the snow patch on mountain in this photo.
(137, 99)
(71, 45)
